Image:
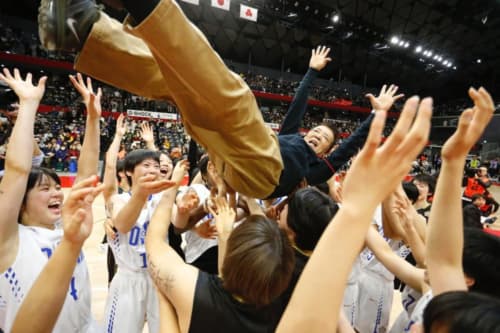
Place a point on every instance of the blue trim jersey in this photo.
(129, 249)
(36, 245)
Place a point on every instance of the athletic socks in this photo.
(140, 9)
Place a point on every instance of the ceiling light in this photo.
(335, 18)
(407, 45)
(455, 67)
(401, 43)
(394, 40)
(418, 49)
(478, 61)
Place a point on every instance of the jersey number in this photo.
(136, 234)
(408, 301)
(72, 289)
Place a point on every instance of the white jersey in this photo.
(409, 299)
(196, 245)
(36, 245)
(417, 316)
(129, 249)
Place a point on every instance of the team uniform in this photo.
(351, 294)
(36, 245)
(417, 315)
(375, 288)
(197, 246)
(132, 296)
(409, 299)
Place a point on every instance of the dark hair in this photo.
(259, 261)
(477, 196)
(136, 157)
(120, 167)
(427, 179)
(35, 178)
(335, 132)
(411, 191)
(309, 213)
(461, 311)
(203, 165)
(481, 262)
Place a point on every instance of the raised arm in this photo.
(125, 214)
(407, 219)
(174, 279)
(18, 155)
(187, 204)
(322, 281)
(148, 136)
(403, 270)
(293, 118)
(224, 217)
(89, 156)
(109, 180)
(445, 236)
(41, 307)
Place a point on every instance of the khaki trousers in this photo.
(166, 57)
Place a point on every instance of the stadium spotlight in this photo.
(394, 40)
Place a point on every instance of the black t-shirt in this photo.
(300, 263)
(215, 310)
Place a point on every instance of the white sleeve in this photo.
(37, 160)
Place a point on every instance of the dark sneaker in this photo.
(63, 25)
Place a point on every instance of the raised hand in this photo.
(148, 185)
(224, 218)
(385, 99)
(121, 125)
(319, 58)
(392, 159)
(180, 170)
(77, 210)
(206, 230)
(24, 88)
(91, 100)
(189, 201)
(403, 209)
(471, 125)
(147, 132)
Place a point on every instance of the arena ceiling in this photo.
(458, 31)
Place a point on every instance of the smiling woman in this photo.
(30, 223)
(42, 200)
